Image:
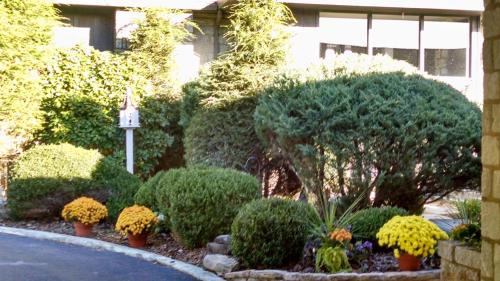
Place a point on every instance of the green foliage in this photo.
(332, 259)
(146, 195)
(258, 42)
(49, 176)
(366, 223)
(153, 43)
(26, 28)
(469, 233)
(83, 92)
(271, 232)
(202, 202)
(407, 137)
(468, 211)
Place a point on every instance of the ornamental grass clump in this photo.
(136, 220)
(410, 234)
(84, 210)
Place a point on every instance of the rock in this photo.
(223, 239)
(216, 248)
(220, 264)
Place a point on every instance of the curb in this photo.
(186, 268)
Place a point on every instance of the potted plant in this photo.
(84, 212)
(412, 238)
(136, 222)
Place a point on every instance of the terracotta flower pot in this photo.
(137, 241)
(83, 230)
(408, 262)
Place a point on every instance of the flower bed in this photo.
(278, 275)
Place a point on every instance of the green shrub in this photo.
(407, 137)
(26, 29)
(83, 92)
(46, 177)
(271, 232)
(468, 211)
(366, 223)
(146, 195)
(202, 202)
(223, 98)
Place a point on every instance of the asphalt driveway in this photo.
(28, 259)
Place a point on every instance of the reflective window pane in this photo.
(343, 33)
(446, 43)
(396, 36)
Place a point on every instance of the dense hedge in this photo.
(271, 232)
(83, 92)
(366, 223)
(407, 137)
(46, 177)
(201, 203)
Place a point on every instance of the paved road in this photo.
(27, 259)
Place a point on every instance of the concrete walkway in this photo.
(30, 259)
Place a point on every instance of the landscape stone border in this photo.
(279, 275)
(186, 268)
(459, 263)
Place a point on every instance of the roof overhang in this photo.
(172, 4)
(462, 7)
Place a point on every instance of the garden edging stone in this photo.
(190, 269)
(279, 275)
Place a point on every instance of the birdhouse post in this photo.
(129, 120)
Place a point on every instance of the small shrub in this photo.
(146, 195)
(135, 220)
(366, 223)
(85, 210)
(271, 232)
(470, 234)
(46, 177)
(201, 203)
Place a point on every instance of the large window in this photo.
(343, 33)
(446, 44)
(396, 36)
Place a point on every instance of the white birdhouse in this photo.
(129, 115)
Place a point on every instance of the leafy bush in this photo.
(366, 223)
(201, 203)
(46, 177)
(223, 98)
(271, 232)
(407, 137)
(470, 234)
(83, 92)
(26, 28)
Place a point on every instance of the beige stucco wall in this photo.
(490, 266)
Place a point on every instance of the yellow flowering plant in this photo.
(135, 220)
(410, 234)
(85, 210)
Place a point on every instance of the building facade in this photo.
(440, 37)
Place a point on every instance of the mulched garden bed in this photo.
(162, 244)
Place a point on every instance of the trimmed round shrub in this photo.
(146, 195)
(46, 177)
(271, 232)
(366, 223)
(201, 203)
(406, 137)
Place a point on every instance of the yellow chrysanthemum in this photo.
(85, 210)
(135, 220)
(411, 234)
